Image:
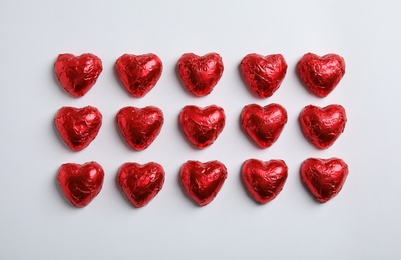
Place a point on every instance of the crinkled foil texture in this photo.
(202, 126)
(78, 127)
(200, 74)
(322, 126)
(324, 177)
(80, 183)
(140, 183)
(139, 126)
(203, 181)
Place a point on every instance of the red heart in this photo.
(264, 180)
(322, 126)
(321, 74)
(78, 126)
(139, 73)
(202, 126)
(200, 74)
(203, 181)
(263, 74)
(324, 177)
(263, 124)
(80, 183)
(77, 74)
(140, 126)
(140, 183)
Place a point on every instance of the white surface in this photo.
(362, 222)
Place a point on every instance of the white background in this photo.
(362, 222)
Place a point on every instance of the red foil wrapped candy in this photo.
(202, 126)
(80, 183)
(324, 178)
(200, 74)
(139, 126)
(321, 74)
(140, 183)
(263, 74)
(77, 74)
(263, 124)
(139, 73)
(264, 180)
(78, 127)
(202, 181)
(322, 126)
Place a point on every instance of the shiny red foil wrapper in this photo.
(322, 126)
(263, 125)
(264, 180)
(140, 183)
(200, 74)
(77, 74)
(139, 126)
(78, 127)
(263, 74)
(202, 181)
(202, 126)
(138, 73)
(321, 74)
(324, 178)
(80, 183)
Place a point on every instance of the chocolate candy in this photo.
(200, 74)
(202, 126)
(78, 127)
(202, 181)
(322, 126)
(324, 178)
(263, 125)
(321, 74)
(263, 74)
(139, 126)
(264, 180)
(77, 74)
(138, 73)
(140, 183)
(80, 183)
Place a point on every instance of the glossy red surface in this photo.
(263, 124)
(322, 126)
(324, 178)
(202, 181)
(263, 74)
(140, 183)
(138, 73)
(77, 74)
(80, 183)
(200, 74)
(321, 74)
(139, 126)
(202, 126)
(78, 127)
(264, 180)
